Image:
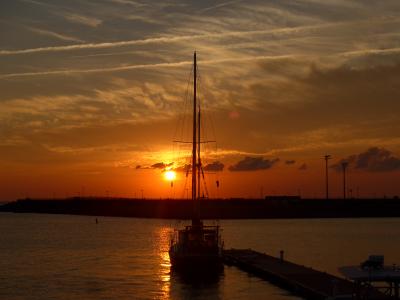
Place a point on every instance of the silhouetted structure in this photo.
(327, 157)
(282, 198)
(211, 208)
(344, 166)
(373, 274)
(196, 246)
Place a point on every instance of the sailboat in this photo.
(196, 245)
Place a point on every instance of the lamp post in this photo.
(327, 157)
(344, 166)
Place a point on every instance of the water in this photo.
(72, 257)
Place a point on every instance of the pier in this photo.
(297, 279)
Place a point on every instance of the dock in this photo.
(297, 279)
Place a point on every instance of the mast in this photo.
(198, 156)
(195, 218)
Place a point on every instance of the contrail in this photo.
(169, 39)
(370, 51)
(184, 63)
(165, 39)
(97, 70)
(148, 41)
(141, 66)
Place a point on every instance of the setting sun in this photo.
(170, 175)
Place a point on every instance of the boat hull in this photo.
(196, 261)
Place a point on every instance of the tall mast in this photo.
(194, 165)
(198, 155)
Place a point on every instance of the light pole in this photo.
(344, 166)
(327, 157)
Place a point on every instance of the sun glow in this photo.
(170, 175)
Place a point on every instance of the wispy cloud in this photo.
(37, 3)
(165, 39)
(59, 36)
(219, 5)
(140, 66)
(172, 38)
(364, 52)
(371, 51)
(85, 20)
(128, 2)
(292, 79)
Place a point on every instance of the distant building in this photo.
(282, 198)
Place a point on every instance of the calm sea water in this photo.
(72, 257)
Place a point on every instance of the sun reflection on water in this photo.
(164, 274)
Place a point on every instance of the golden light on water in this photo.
(170, 175)
(164, 236)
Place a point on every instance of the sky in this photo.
(92, 94)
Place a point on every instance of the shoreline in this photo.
(282, 208)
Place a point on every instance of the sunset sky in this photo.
(92, 91)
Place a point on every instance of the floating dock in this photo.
(297, 279)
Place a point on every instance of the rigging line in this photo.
(203, 124)
(183, 171)
(177, 125)
(182, 118)
(202, 167)
(202, 102)
(205, 127)
(186, 179)
(209, 120)
(201, 129)
(204, 135)
(212, 126)
(204, 182)
(207, 111)
(183, 108)
(209, 114)
(207, 123)
(185, 104)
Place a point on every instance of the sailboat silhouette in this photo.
(196, 245)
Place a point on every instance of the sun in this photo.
(169, 175)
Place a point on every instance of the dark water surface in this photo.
(72, 257)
